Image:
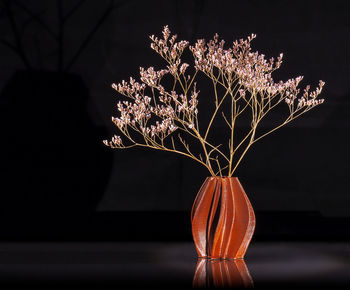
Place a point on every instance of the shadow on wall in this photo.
(54, 165)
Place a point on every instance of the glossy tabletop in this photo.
(142, 264)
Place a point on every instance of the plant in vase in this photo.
(222, 218)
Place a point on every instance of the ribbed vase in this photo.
(223, 219)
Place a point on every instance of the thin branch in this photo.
(289, 119)
(228, 90)
(172, 141)
(222, 169)
(216, 149)
(227, 122)
(127, 147)
(213, 116)
(218, 164)
(195, 136)
(240, 159)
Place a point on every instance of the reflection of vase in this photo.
(222, 274)
(223, 219)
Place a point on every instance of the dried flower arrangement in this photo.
(236, 73)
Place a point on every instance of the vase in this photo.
(223, 219)
(222, 274)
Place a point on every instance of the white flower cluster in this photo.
(253, 70)
(138, 112)
(116, 142)
(168, 107)
(150, 77)
(307, 100)
(170, 50)
(168, 47)
(159, 112)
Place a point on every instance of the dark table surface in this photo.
(115, 264)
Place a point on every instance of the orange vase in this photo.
(223, 219)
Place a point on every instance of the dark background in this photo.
(59, 182)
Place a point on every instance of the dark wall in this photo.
(56, 103)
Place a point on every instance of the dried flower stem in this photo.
(245, 77)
